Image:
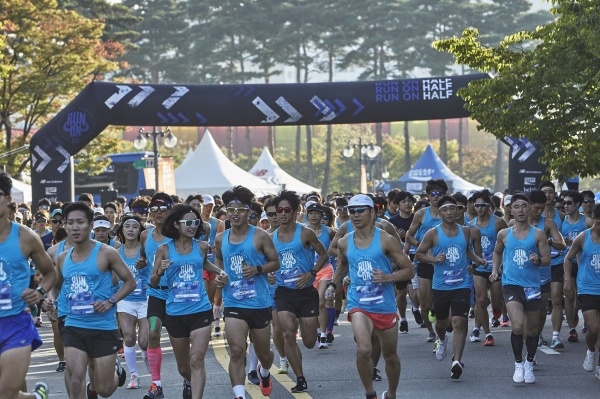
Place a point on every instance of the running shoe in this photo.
(573, 337)
(384, 395)
(432, 318)
(471, 313)
(556, 343)
(323, 343)
(542, 341)
(330, 337)
(283, 366)
(591, 360)
(301, 385)
(435, 345)
(90, 394)
(474, 337)
(336, 321)
(403, 327)
(376, 375)
(529, 377)
(489, 340)
(519, 375)
(134, 381)
(431, 337)
(253, 377)
(187, 389)
(41, 390)
(61, 367)
(38, 322)
(417, 316)
(217, 332)
(440, 353)
(155, 392)
(121, 373)
(495, 322)
(456, 370)
(504, 322)
(598, 372)
(266, 387)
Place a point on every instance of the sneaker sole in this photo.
(456, 372)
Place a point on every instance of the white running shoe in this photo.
(519, 375)
(283, 366)
(134, 383)
(591, 360)
(529, 377)
(440, 353)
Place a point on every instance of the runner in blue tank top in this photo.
(367, 255)
(450, 248)
(18, 335)
(247, 255)
(424, 220)
(297, 301)
(189, 312)
(521, 250)
(573, 224)
(587, 246)
(85, 280)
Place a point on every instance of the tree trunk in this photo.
(460, 147)
(327, 173)
(249, 147)
(443, 142)
(309, 163)
(406, 148)
(298, 140)
(230, 154)
(499, 169)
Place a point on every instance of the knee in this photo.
(105, 388)
(364, 352)
(237, 353)
(196, 361)
(557, 301)
(128, 339)
(391, 359)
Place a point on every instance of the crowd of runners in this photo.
(282, 269)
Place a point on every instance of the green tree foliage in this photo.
(544, 86)
(48, 56)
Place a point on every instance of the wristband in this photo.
(334, 285)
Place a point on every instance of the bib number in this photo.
(290, 276)
(454, 277)
(243, 289)
(138, 288)
(187, 291)
(82, 303)
(531, 294)
(5, 297)
(370, 294)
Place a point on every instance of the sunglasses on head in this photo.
(359, 209)
(191, 222)
(56, 221)
(436, 193)
(253, 216)
(235, 209)
(480, 205)
(271, 214)
(162, 208)
(286, 209)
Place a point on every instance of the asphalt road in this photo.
(331, 373)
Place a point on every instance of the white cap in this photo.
(498, 194)
(263, 216)
(361, 200)
(99, 210)
(507, 199)
(101, 223)
(19, 215)
(208, 200)
(469, 194)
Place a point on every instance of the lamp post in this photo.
(369, 154)
(140, 143)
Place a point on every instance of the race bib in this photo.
(5, 296)
(138, 288)
(454, 277)
(290, 276)
(531, 294)
(82, 303)
(243, 289)
(370, 294)
(186, 291)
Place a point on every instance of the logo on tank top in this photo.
(3, 275)
(453, 254)
(573, 234)
(595, 263)
(365, 270)
(186, 272)
(236, 263)
(485, 242)
(79, 284)
(287, 260)
(134, 270)
(520, 258)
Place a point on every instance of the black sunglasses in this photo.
(56, 221)
(480, 205)
(588, 201)
(568, 203)
(271, 214)
(357, 210)
(253, 216)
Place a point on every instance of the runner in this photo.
(521, 250)
(188, 311)
(85, 281)
(18, 335)
(450, 248)
(587, 246)
(247, 255)
(367, 255)
(297, 301)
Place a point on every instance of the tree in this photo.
(49, 55)
(544, 87)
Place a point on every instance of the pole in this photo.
(155, 151)
(362, 187)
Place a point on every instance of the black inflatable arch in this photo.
(101, 104)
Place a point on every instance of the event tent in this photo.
(430, 166)
(209, 171)
(21, 192)
(267, 169)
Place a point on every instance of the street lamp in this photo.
(369, 155)
(140, 143)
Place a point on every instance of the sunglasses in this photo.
(191, 222)
(436, 193)
(41, 220)
(588, 201)
(56, 221)
(235, 209)
(569, 203)
(342, 209)
(44, 207)
(253, 216)
(271, 214)
(162, 208)
(460, 207)
(480, 205)
(360, 209)
(141, 210)
(286, 209)
(325, 217)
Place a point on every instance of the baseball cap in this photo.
(361, 200)
(507, 199)
(55, 212)
(101, 223)
(19, 215)
(98, 210)
(313, 206)
(263, 216)
(208, 200)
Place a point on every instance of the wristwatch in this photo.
(41, 290)
(313, 272)
(112, 300)
(258, 269)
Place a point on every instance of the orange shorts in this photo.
(208, 276)
(381, 321)
(325, 274)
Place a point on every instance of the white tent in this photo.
(209, 171)
(267, 169)
(21, 192)
(187, 156)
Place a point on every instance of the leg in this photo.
(277, 333)
(105, 377)
(542, 315)
(362, 327)
(592, 320)
(58, 347)
(322, 319)
(401, 302)
(308, 326)
(481, 303)
(236, 331)
(142, 325)
(389, 345)
(262, 346)
(556, 295)
(199, 340)
(128, 325)
(77, 364)
(460, 326)
(154, 350)
(289, 326)
(181, 350)
(13, 370)
(425, 298)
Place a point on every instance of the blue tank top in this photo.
(556, 218)
(545, 272)
(186, 294)
(517, 268)
(141, 277)
(571, 231)
(325, 239)
(240, 292)
(83, 285)
(428, 223)
(294, 259)
(362, 292)
(150, 248)
(588, 275)
(61, 301)
(488, 241)
(452, 273)
(14, 274)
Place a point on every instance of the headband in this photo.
(101, 223)
(131, 220)
(446, 205)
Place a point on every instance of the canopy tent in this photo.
(267, 169)
(209, 171)
(187, 156)
(430, 166)
(21, 192)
